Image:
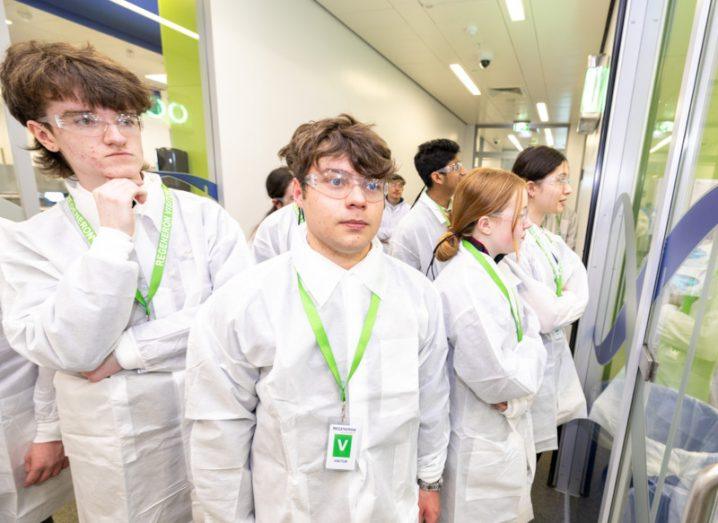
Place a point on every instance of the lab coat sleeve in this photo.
(221, 400)
(493, 373)
(399, 248)
(434, 426)
(70, 318)
(264, 246)
(554, 312)
(46, 417)
(160, 345)
(518, 406)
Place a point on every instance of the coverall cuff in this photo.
(111, 244)
(47, 431)
(429, 476)
(127, 352)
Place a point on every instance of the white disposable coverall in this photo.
(391, 217)
(274, 235)
(491, 460)
(262, 396)
(27, 414)
(68, 307)
(561, 397)
(415, 238)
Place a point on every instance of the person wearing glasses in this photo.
(414, 239)
(555, 285)
(275, 233)
(317, 379)
(495, 350)
(103, 286)
(395, 208)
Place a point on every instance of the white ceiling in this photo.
(545, 55)
(29, 23)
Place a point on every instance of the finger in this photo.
(56, 469)
(141, 195)
(32, 476)
(66, 463)
(28, 464)
(46, 471)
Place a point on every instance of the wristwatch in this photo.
(435, 486)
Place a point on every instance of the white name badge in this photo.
(342, 447)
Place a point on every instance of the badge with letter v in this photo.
(342, 447)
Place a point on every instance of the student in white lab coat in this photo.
(103, 290)
(32, 458)
(276, 232)
(495, 353)
(395, 208)
(317, 379)
(414, 239)
(555, 285)
(279, 190)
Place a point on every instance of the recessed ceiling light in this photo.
(160, 78)
(542, 111)
(515, 141)
(549, 136)
(516, 10)
(8, 22)
(465, 79)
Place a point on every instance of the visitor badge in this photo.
(342, 447)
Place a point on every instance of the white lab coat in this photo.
(276, 232)
(27, 415)
(415, 237)
(491, 460)
(561, 397)
(390, 218)
(68, 307)
(262, 396)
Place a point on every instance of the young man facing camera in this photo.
(395, 208)
(415, 238)
(103, 286)
(325, 364)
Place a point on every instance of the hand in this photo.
(106, 369)
(429, 506)
(114, 203)
(501, 407)
(44, 461)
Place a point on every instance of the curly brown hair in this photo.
(344, 135)
(36, 73)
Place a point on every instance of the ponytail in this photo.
(447, 247)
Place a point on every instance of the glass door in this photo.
(659, 401)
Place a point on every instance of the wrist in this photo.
(433, 486)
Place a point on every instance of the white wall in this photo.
(280, 63)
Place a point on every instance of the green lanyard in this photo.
(160, 258)
(500, 284)
(323, 341)
(552, 261)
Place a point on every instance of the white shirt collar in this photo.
(434, 207)
(152, 208)
(321, 276)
